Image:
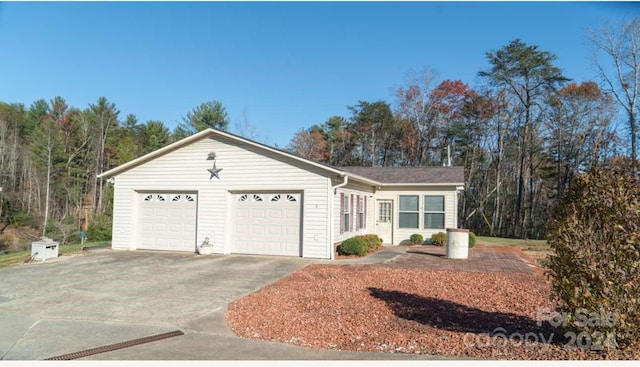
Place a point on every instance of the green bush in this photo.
(353, 246)
(472, 239)
(373, 241)
(595, 265)
(100, 228)
(416, 239)
(439, 239)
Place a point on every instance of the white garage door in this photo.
(267, 224)
(168, 221)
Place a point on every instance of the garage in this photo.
(266, 223)
(168, 221)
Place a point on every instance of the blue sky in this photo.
(282, 66)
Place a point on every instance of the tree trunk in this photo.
(634, 136)
(47, 191)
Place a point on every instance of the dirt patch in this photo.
(399, 310)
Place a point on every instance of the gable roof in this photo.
(410, 175)
(394, 176)
(207, 133)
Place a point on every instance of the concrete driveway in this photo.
(100, 298)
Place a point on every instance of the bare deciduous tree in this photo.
(617, 58)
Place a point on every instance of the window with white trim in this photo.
(360, 219)
(346, 214)
(409, 212)
(433, 212)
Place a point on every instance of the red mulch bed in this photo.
(400, 310)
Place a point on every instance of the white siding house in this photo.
(240, 196)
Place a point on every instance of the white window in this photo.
(346, 216)
(433, 212)
(360, 219)
(408, 211)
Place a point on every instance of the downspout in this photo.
(344, 183)
(335, 188)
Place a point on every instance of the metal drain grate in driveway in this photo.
(112, 347)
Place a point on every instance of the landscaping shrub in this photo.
(595, 236)
(373, 241)
(472, 239)
(353, 246)
(100, 228)
(439, 239)
(416, 239)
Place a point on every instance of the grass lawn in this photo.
(16, 258)
(536, 249)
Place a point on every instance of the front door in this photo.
(384, 221)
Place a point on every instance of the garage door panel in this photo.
(291, 231)
(275, 246)
(257, 229)
(242, 229)
(275, 230)
(168, 221)
(160, 227)
(267, 224)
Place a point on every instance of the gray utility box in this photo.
(45, 249)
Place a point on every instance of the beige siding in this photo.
(244, 168)
(401, 235)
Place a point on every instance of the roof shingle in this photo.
(409, 175)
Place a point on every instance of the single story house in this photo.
(240, 196)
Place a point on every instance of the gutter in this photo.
(344, 183)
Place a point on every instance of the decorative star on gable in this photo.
(214, 171)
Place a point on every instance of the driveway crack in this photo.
(20, 338)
